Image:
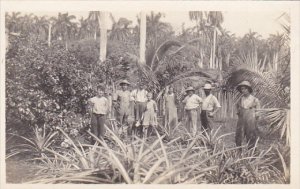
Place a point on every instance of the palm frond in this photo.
(264, 83)
(161, 51)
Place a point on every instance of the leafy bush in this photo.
(43, 82)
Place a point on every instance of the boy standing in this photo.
(99, 107)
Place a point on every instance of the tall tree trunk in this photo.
(49, 35)
(227, 60)
(103, 36)
(143, 38)
(214, 48)
(221, 63)
(95, 35)
(211, 58)
(275, 60)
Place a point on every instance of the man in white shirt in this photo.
(192, 107)
(209, 107)
(99, 107)
(139, 98)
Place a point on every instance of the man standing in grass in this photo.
(122, 101)
(99, 107)
(192, 107)
(209, 108)
(246, 106)
(139, 98)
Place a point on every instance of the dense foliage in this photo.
(50, 75)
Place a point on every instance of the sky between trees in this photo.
(239, 23)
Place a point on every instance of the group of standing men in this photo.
(145, 110)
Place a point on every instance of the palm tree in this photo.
(12, 22)
(103, 36)
(156, 29)
(225, 47)
(275, 43)
(143, 30)
(63, 26)
(94, 18)
(215, 19)
(85, 28)
(202, 32)
(41, 26)
(27, 25)
(120, 30)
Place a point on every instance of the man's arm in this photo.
(200, 101)
(217, 106)
(90, 106)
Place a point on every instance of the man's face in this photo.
(245, 90)
(149, 96)
(100, 93)
(124, 87)
(190, 92)
(207, 92)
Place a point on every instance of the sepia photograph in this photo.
(139, 96)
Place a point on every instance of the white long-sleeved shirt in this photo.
(139, 95)
(210, 102)
(192, 102)
(100, 105)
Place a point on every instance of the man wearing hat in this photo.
(246, 106)
(209, 107)
(122, 99)
(192, 106)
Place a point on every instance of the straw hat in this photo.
(207, 86)
(190, 89)
(245, 84)
(124, 82)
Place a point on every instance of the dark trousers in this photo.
(139, 109)
(97, 124)
(246, 128)
(205, 120)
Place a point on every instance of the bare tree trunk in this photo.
(227, 60)
(49, 35)
(95, 35)
(6, 40)
(211, 58)
(143, 38)
(275, 60)
(214, 48)
(103, 36)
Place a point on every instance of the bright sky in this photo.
(238, 23)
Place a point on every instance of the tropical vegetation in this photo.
(54, 64)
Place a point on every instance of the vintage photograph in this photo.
(147, 97)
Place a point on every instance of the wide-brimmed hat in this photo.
(245, 84)
(189, 89)
(124, 82)
(207, 86)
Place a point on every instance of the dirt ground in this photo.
(18, 170)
